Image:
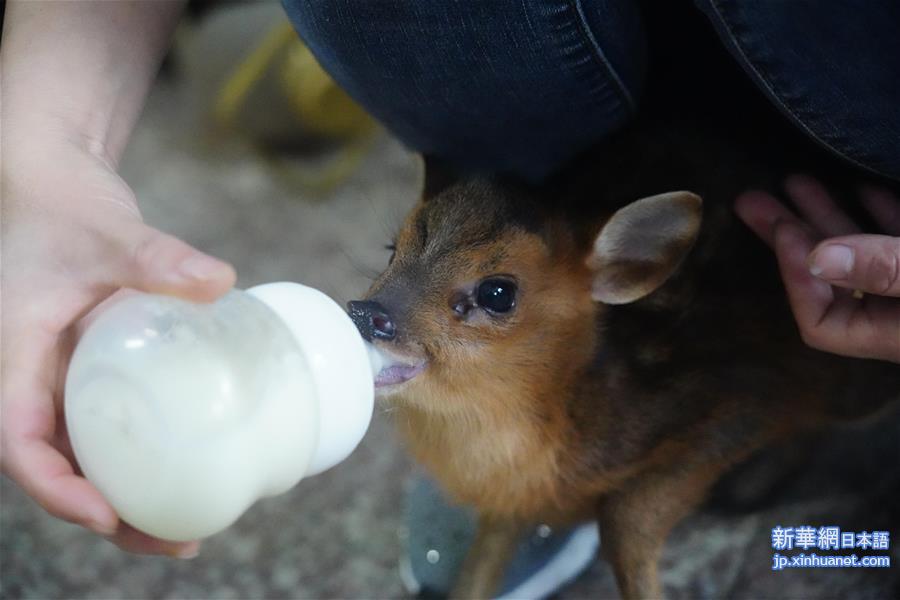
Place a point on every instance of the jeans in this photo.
(493, 84)
(523, 86)
(832, 67)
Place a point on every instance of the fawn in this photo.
(606, 344)
(603, 345)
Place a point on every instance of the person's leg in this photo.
(439, 535)
(833, 68)
(517, 87)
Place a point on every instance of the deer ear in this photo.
(642, 245)
(435, 174)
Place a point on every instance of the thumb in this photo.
(152, 261)
(866, 262)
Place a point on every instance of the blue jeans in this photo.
(832, 67)
(523, 86)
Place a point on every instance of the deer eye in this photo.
(392, 248)
(496, 295)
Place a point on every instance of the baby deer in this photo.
(589, 349)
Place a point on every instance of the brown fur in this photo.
(567, 408)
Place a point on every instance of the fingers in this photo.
(816, 205)
(28, 425)
(884, 208)
(866, 262)
(760, 211)
(827, 321)
(152, 261)
(33, 451)
(828, 318)
(880, 336)
(47, 476)
(809, 297)
(130, 539)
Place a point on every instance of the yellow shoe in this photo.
(315, 100)
(247, 73)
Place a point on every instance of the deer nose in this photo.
(372, 320)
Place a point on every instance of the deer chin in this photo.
(396, 371)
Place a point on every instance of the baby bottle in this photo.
(184, 414)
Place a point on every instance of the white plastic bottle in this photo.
(184, 414)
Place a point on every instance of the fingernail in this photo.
(200, 267)
(834, 261)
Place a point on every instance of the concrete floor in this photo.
(338, 535)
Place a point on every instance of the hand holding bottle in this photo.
(75, 76)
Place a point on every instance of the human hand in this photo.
(72, 235)
(843, 285)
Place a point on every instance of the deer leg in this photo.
(635, 521)
(482, 570)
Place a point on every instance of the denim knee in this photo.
(831, 67)
(517, 87)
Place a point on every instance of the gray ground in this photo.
(338, 535)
